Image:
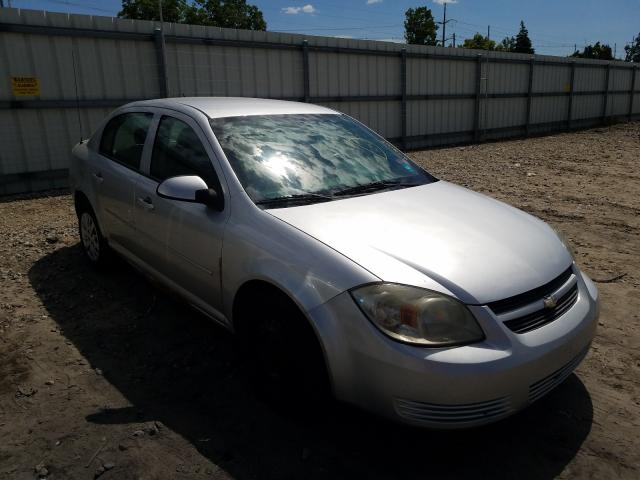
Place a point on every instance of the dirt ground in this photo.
(105, 375)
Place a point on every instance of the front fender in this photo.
(258, 246)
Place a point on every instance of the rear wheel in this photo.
(281, 350)
(93, 243)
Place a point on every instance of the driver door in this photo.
(179, 239)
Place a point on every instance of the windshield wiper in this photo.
(373, 187)
(298, 199)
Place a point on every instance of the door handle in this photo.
(98, 177)
(146, 203)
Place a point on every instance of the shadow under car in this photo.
(175, 366)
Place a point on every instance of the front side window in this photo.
(177, 150)
(318, 156)
(124, 136)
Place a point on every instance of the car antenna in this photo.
(75, 82)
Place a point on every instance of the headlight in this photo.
(418, 316)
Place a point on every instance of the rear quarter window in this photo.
(124, 136)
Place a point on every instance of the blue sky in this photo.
(554, 25)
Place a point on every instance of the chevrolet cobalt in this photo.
(343, 267)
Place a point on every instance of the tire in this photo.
(281, 352)
(95, 247)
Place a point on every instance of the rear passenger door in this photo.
(182, 240)
(115, 172)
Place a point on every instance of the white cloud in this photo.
(296, 10)
(292, 10)
(442, 2)
(372, 2)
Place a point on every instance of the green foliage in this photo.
(172, 10)
(479, 42)
(226, 13)
(597, 51)
(419, 26)
(217, 13)
(632, 52)
(508, 44)
(523, 42)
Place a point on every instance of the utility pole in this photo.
(444, 23)
(454, 39)
(615, 48)
(488, 32)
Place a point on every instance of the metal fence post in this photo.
(476, 113)
(632, 92)
(305, 70)
(572, 88)
(605, 103)
(161, 58)
(529, 96)
(403, 106)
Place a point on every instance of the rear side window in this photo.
(177, 151)
(123, 138)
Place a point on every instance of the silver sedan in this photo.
(344, 268)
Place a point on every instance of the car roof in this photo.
(218, 107)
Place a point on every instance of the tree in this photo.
(597, 51)
(419, 26)
(508, 44)
(523, 42)
(632, 51)
(226, 13)
(479, 42)
(172, 10)
(217, 13)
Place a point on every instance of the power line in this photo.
(341, 8)
(549, 40)
(369, 27)
(87, 6)
(541, 44)
(509, 32)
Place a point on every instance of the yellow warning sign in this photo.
(25, 86)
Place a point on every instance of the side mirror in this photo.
(210, 198)
(190, 188)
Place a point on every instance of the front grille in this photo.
(540, 318)
(548, 383)
(432, 413)
(517, 301)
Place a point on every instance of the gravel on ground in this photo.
(105, 375)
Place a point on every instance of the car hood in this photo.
(438, 236)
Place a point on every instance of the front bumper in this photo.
(453, 387)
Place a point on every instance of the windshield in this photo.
(311, 155)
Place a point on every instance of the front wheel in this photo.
(93, 243)
(282, 353)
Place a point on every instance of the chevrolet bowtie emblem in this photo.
(550, 301)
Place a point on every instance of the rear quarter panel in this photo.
(79, 173)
